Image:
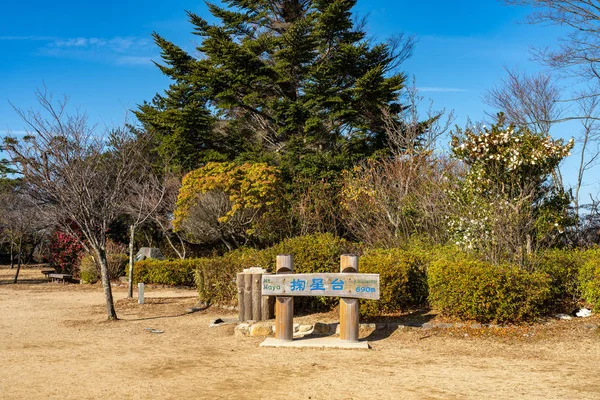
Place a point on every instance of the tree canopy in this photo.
(295, 82)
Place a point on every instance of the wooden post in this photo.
(284, 305)
(240, 289)
(256, 296)
(349, 307)
(247, 297)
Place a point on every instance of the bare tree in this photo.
(80, 176)
(163, 217)
(578, 53)
(20, 222)
(147, 193)
(589, 140)
(411, 131)
(527, 100)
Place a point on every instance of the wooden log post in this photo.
(256, 296)
(240, 279)
(284, 305)
(349, 307)
(247, 297)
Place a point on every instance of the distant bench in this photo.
(47, 272)
(59, 277)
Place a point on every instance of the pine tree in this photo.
(295, 79)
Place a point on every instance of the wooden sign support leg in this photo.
(284, 305)
(349, 307)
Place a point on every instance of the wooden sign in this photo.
(359, 286)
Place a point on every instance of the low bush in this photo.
(215, 276)
(589, 278)
(562, 266)
(403, 280)
(165, 272)
(477, 290)
(89, 269)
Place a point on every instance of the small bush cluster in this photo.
(481, 291)
(589, 279)
(89, 269)
(563, 267)
(403, 280)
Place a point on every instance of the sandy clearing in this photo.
(56, 343)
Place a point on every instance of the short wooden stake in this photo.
(140, 293)
(349, 307)
(284, 305)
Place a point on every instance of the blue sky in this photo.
(100, 53)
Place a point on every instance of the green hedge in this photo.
(165, 272)
(476, 290)
(562, 266)
(589, 278)
(402, 277)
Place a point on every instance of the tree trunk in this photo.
(110, 305)
(12, 255)
(130, 282)
(19, 264)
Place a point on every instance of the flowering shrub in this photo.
(505, 205)
(65, 252)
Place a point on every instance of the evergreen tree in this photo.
(294, 81)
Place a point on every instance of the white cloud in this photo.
(119, 50)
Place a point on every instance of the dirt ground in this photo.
(55, 342)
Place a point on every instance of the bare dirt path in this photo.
(55, 343)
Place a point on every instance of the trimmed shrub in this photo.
(215, 277)
(589, 278)
(402, 276)
(165, 272)
(562, 265)
(476, 290)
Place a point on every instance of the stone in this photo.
(148, 252)
(475, 326)
(261, 329)
(305, 328)
(242, 329)
(321, 329)
(445, 326)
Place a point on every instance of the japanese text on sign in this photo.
(361, 286)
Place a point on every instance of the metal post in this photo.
(349, 307)
(140, 293)
(284, 305)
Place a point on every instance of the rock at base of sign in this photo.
(242, 329)
(261, 329)
(304, 328)
(321, 329)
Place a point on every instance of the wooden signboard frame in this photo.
(349, 285)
